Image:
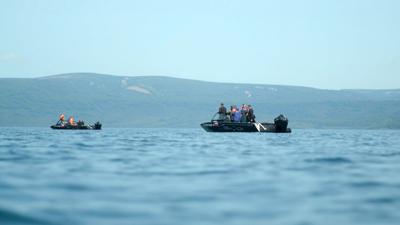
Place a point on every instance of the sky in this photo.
(324, 44)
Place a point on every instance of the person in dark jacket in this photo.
(244, 111)
(250, 115)
(222, 112)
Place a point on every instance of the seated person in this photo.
(71, 121)
(61, 120)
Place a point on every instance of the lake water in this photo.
(188, 176)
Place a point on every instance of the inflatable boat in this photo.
(217, 125)
(80, 125)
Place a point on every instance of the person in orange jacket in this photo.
(71, 121)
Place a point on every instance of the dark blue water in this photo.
(188, 176)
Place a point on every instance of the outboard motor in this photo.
(97, 126)
(281, 123)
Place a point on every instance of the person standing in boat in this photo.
(236, 115)
(250, 115)
(229, 114)
(222, 112)
(232, 112)
(243, 112)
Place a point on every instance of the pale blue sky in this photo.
(325, 44)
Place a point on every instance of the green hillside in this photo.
(155, 101)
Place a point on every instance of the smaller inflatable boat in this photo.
(80, 125)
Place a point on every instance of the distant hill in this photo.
(156, 101)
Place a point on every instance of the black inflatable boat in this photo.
(216, 125)
(79, 126)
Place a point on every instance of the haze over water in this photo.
(188, 176)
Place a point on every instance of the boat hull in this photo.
(69, 127)
(218, 126)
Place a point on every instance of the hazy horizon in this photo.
(327, 45)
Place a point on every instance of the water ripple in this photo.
(330, 160)
(10, 217)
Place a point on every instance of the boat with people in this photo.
(243, 120)
(72, 125)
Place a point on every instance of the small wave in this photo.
(82, 145)
(366, 184)
(14, 158)
(9, 217)
(201, 173)
(196, 199)
(7, 146)
(189, 173)
(71, 187)
(382, 200)
(332, 160)
(390, 154)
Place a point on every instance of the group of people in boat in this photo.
(71, 121)
(244, 114)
